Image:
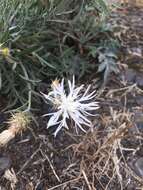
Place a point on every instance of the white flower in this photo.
(75, 105)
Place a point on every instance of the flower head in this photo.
(75, 105)
(19, 122)
(5, 52)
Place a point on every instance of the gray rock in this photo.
(5, 163)
(137, 166)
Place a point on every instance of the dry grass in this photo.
(100, 154)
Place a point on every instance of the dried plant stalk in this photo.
(17, 124)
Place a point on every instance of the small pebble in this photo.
(137, 166)
(5, 163)
(2, 188)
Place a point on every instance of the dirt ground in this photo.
(108, 158)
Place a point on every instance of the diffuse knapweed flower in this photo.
(73, 104)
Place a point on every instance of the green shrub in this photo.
(47, 39)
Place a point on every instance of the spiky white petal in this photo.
(74, 105)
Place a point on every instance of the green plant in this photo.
(46, 39)
(107, 60)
